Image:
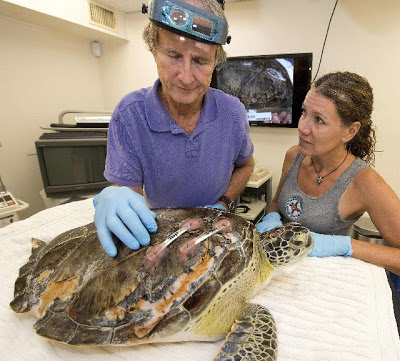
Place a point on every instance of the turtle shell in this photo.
(83, 296)
(259, 83)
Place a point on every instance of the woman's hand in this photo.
(327, 245)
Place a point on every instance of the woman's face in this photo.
(185, 67)
(320, 126)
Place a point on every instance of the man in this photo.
(180, 141)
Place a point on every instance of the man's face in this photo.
(185, 67)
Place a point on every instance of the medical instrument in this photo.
(190, 248)
(192, 224)
(9, 206)
(7, 201)
(223, 225)
(156, 253)
(189, 225)
(188, 20)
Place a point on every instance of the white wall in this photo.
(129, 66)
(364, 37)
(62, 14)
(42, 73)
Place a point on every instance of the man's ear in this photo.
(351, 131)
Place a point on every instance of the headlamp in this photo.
(189, 20)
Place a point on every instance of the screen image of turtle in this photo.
(271, 87)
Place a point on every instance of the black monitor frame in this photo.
(68, 190)
(302, 73)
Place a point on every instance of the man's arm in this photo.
(240, 176)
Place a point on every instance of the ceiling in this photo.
(129, 6)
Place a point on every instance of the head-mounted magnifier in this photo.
(188, 20)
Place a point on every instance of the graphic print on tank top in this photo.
(294, 207)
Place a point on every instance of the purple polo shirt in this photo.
(147, 148)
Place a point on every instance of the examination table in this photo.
(330, 309)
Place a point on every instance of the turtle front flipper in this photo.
(252, 337)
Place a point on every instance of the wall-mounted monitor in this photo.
(271, 87)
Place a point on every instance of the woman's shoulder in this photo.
(371, 186)
(291, 154)
(290, 158)
(367, 178)
(374, 194)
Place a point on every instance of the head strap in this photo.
(188, 20)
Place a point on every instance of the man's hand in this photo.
(123, 212)
(216, 206)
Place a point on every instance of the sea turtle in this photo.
(182, 292)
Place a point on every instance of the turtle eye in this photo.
(297, 243)
(288, 235)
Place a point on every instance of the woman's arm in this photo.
(383, 256)
(287, 163)
(383, 205)
(273, 218)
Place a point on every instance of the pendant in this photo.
(319, 180)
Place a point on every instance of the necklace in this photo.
(320, 179)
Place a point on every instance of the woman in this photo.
(327, 182)
(170, 139)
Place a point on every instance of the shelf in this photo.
(261, 191)
(257, 183)
(256, 208)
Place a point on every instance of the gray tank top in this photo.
(320, 214)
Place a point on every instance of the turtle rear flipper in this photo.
(60, 327)
(252, 337)
(19, 303)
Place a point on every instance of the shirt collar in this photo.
(160, 121)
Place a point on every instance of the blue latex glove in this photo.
(122, 211)
(216, 205)
(326, 245)
(271, 220)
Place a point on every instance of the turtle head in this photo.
(287, 243)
